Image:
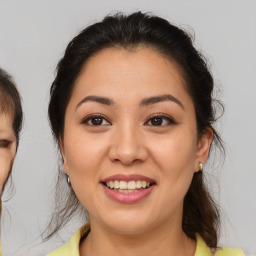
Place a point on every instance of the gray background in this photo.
(33, 36)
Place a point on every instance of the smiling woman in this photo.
(10, 125)
(131, 109)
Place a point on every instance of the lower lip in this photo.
(128, 198)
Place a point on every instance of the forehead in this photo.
(116, 69)
(7, 106)
(6, 123)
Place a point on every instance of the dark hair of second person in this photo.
(11, 122)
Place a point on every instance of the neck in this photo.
(163, 240)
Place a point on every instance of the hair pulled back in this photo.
(200, 213)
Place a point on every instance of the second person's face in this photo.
(130, 141)
(7, 147)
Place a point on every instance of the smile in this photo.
(128, 186)
(128, 189)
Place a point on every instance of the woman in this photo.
(10, 126)
(132, 112)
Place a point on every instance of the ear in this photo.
(64, 160)
(203, 148)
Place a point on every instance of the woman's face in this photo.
(7, 147)
(130, 142)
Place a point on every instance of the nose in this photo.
(127, 147)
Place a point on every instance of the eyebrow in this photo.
(98, 99)
(161, 98)
(144, 102)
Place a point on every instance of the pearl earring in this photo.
(68, 180)
(201, 166)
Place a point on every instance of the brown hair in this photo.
(10, 101)
(200, 213)
(10, 104)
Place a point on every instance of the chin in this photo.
(129, 224)
(129, 228)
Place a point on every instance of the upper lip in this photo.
(129, 177)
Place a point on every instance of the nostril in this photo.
(127, 150)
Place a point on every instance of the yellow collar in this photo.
(72, 247)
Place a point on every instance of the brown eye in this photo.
(96, 120)
(157, 121)
(160, 120)
(4, 143)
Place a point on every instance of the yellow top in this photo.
(72, 247)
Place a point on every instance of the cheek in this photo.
(85, 157)
(6, 160)
(82, 152)
(177, 150)
(176, 157)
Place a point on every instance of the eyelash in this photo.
(89, 119)
(168, 119)
(4, 143)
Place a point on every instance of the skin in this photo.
(7, 147)
(127, 141)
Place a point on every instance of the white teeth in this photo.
(111, 184)
(138, 184)
(123, 184)
(127, 186)
(127, 190)
(132, 184)
(116, 184)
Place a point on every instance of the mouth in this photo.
(128, 189)
(132, 186)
